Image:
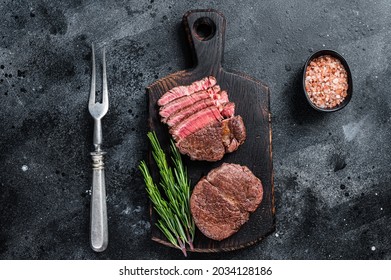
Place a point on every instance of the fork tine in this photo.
(93, 78)
(105, 94)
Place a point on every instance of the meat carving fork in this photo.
(99, 230)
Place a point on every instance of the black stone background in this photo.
(332, 171)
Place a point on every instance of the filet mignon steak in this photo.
(202, 120)
(222, 201)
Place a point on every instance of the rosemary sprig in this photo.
(175, 221)
(184, 185)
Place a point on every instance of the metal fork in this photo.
(99, 229)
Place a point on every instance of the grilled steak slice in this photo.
(195, 122)
(211, 142)
(222, 201)
(228, 110)
(180, 91)
(201, 120)
(233, 133)
(219, 100)
(187, 100)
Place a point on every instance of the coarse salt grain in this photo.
(326, 82)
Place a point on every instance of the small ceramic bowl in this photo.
(349, 74)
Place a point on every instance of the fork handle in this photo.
(99, 230)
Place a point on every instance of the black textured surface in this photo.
(332, 171)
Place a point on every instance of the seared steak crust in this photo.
(211, 142)
(222, 201)
(204, 144)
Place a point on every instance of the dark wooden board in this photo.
(205, 30)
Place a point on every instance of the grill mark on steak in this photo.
(180, 91)
(188, 100)
(222, 201)
(218, 100)
(195, 122)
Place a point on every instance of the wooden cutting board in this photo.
(205, 32)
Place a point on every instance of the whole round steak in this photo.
(222, 201)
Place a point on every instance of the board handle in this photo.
(206, 30)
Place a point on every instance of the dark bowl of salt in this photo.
(327, 81)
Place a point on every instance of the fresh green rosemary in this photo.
(173, 208)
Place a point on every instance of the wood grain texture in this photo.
(205, 30)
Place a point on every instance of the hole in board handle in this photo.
(204, 28)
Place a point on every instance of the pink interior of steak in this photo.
(217, 99)
(195, 122)
(180, 91)
(228, 110)
(187, 100)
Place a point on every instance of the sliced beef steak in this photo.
(219, 100)
(188, 100)
(222, 201)
(180, 91)
(233, 133)
(195, 122)
(211, 142)
(228, 110)
(202, 121)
